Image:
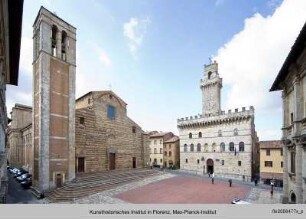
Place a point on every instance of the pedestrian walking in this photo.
(230, 182)
(213, 178)
(209, 174)
(255, 181)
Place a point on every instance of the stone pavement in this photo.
(107, 197)
(263, 196)
(186, 189)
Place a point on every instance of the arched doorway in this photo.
(210, 166)
(292, 198)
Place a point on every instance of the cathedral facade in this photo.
(219, 142)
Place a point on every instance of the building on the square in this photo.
(271, 162)
(54, 65)
(157, 140)
(291, 81)
(106, 138)
(10, 40)
(28, 149)
(172, 153)
(215, 141)
(21, 117)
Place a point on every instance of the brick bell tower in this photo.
(54, 65)
(211, 86)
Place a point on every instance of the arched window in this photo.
(190, 135)
(214, 147)
(220, 133)
(235, 132)
(64, 45)
(192, 147)
(200, 134)
(206, 147)
(222, 146)
(53, 40)
(209, 74)
(241, 146)
(231, 146)
(185, 147)
(199, 147)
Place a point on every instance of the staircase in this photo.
(91, 183)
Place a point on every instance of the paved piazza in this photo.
(182, 189)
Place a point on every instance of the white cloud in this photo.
(134, 31)
(104, 58)
(250, 61)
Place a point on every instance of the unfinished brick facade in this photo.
(106, 138)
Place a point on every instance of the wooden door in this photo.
(112, 161)
(59, 180)
(81, 164)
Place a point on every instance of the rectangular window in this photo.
(268, 152)
(186, 160)
(165, 153)
(134, 129)
(239, 163)
(292, 162)
(82, 120)
(282, 164)
(160, 150)
(169, 146)
(154, 141)
(291, 116)
(161, 160)
(155, 151)
(268, 164)
(111, 112)
(281, 152)
(161, 141)
(222, 162)
(198, 161)
(170, 153)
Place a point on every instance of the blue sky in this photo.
(152, 52)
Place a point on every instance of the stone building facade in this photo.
(54, 64)
(106, 138)
(291, 80)
(172, 153)
(21, 117)
(28, 149)
(157, 140)
(10, 40)
(215, 141)
(271, 162)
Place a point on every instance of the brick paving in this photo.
(187, 190)
(170, 188)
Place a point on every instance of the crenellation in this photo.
(222, 115)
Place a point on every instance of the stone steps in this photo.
(88, 184)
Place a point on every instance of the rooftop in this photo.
(173, 139)
(276, 144)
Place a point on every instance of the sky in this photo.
(152, 53)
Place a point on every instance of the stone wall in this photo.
(99, 136)
(234, 127)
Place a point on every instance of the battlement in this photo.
(217, 116)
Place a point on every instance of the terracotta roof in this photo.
(173, 139)
(270, 144)
(159, 134)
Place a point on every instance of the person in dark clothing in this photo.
(230, 182)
